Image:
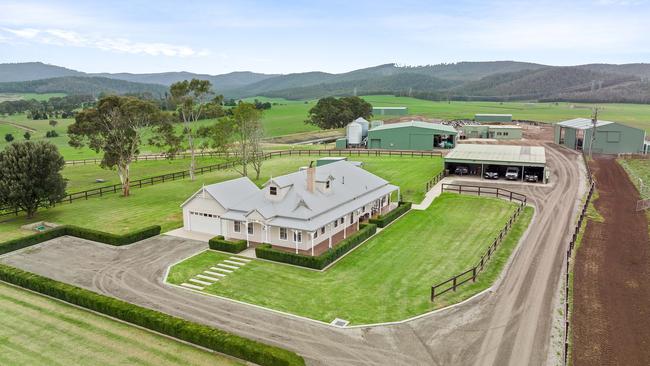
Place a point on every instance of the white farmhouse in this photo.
(306, 212)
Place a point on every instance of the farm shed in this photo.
(499, 132)
(389, 111)
(479, 158)
(413, 135)
(610, 137)
(493, 118)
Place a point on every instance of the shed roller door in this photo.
(204, 224)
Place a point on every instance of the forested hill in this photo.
(494, 80)
(82, 85)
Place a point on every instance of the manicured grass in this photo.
(36, 330)
(636, 115)
(387, 278)
(638, 169)
(160, 204)
(83, 177)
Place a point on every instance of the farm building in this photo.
(307, 212)
(499, 132)
(413, 135)
(610, 137)
(480, 158)
(389, 111)
(493, 118)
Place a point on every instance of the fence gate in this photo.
(642, 205)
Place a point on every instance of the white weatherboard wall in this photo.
(200, 223)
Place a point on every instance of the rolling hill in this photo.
(494, 80)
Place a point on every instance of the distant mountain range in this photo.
(497, 80)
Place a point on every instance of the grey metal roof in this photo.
(389, 108)
(420, 124)
(583, 123)
(492, 115)
(351, 188)
(481, 153)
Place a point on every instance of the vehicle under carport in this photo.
(481, 158)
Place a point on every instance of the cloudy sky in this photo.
(334, 36)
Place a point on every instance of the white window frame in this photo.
(237, 226)
(286, 233)
(297, 236)
(249, 229)
(273, 191)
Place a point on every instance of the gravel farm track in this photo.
(611, 304)
(509, 325)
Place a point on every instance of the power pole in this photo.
(594, 123)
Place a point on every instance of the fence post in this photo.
(454, 287)
(474, 274)
(433, 293)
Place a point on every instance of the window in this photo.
(315, 234)
(351, 218)
(297, 236)
(342, 220)
(283, 233)
(273, 191)
(505, 134)
(238, 226)
(327, 184)
(322, 230)
(336, 223)
(249, 227)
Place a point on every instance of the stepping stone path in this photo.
(214, 274)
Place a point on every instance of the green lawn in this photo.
(638, 169)
(36, 330)
(159, 204)
(387, 278)
(83, 177)
(637, 115)
(28, 96)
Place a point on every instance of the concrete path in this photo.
(182, 233)
(510, 325)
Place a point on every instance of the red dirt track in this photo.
(611, 311)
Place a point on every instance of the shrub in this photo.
(79, 232)
(50, 134)
(384, 220)
(220, 243)
(265, 251)
(202, 335)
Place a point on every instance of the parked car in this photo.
(531, 178)
(512, 173)
(461, 170)
(491, 175)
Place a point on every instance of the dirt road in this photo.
(510, 326)
(611, 317)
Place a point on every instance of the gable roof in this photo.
(231, 192)
(419, 124)
(583, 123)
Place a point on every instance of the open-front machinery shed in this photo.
(610, 137)
(479, 158)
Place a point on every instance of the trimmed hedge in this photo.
(266, 251)
(202, 335)
(100, 236)
(384, 220)
(220, 243)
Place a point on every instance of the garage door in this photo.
(204, 223)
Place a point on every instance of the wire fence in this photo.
(139, 183)
(569, 255)
(471, 274)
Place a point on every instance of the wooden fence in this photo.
(569, 255)
(471, 274)
(99, 192)
(434, 181)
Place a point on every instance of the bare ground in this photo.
(611, 311)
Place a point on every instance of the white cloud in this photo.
(62, 37)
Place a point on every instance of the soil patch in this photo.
(611, 304)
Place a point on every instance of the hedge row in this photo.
(384, 220)
(220, 243)
(321, 261)
(100, 236)
(211, 338)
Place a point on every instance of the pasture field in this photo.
(27, 96)
(160, 204)
(36, 330)
(639, 172)
(636, 115)
(389, 277)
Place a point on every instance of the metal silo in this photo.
(364, 124)
(354, 132)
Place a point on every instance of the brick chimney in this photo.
(311, 177)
